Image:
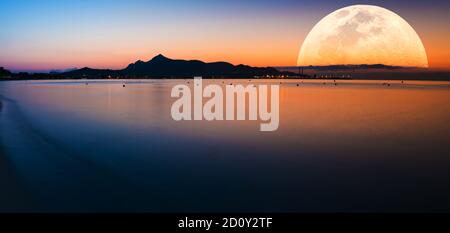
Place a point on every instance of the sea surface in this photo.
(349, 146)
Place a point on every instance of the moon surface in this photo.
(363, 34)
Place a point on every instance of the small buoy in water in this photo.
(123, 85)
(335, 84)
(298, 85)
(389, 84)
(402, 81)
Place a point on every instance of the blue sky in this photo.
(58, 34)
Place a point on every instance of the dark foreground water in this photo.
(358, 146)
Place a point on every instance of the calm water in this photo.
(357, 146)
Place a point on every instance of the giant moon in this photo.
(363, 34)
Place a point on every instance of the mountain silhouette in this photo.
(4, 73)
(163, 67)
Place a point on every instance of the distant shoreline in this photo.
(317, 79)
(161, 67)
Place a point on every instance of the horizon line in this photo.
(62, 70)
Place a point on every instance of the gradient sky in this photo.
(41, 35)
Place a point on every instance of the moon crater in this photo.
(363, 34)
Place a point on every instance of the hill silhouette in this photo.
(4, 72)
(163, 67)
